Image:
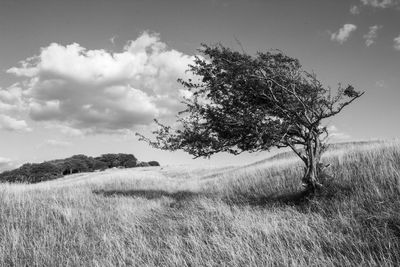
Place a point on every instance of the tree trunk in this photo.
(311, 156)
(311, 174)
(312, 171)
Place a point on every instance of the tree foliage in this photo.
(153, 163)
(37, 172)
(252, 103)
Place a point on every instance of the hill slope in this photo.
(235, 216)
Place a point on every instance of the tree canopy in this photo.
(252, 103)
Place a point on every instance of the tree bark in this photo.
(311, 156)
(312, 171)
(311, 174)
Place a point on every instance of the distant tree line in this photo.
(38, 172)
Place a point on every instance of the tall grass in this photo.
(175, 216)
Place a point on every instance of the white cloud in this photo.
(11, 124)
(332, 128)
(396, 44)
(336, 135)
(343, 33)
(65, 130)
(11, 99)
(11, 106)
(380, 3)
(355, 10)
(112, 39)
(100, 91)
(6, 164)
(371, 35)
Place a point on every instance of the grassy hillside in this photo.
(231, 216)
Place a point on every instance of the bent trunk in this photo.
(311, 156)
(312, 174)
(313, 169)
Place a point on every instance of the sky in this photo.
(81, 77)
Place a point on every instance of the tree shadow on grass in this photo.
(299, 198)
(148, 194)
(295, 198)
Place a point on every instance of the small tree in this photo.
(252, 103)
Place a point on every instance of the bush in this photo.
(118, 160)
(130, 163)
(153, 163)
(143, 164)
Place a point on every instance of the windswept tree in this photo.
(253, 103)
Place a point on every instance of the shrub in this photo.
(130, 163)
(143, 164)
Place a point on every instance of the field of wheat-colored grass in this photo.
(223, 216)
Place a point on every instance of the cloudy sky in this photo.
(84, 76)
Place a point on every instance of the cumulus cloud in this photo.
(343, 34)
(11, 99)
(101, 91)
(11, 124)
(380, 3)
(11, 106)
(396, 44)
(64, 129)
(355, 10)
(371, 35)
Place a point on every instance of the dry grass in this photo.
(231, 216)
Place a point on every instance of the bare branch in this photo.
(333, 113)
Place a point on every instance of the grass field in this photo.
(226, 216)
